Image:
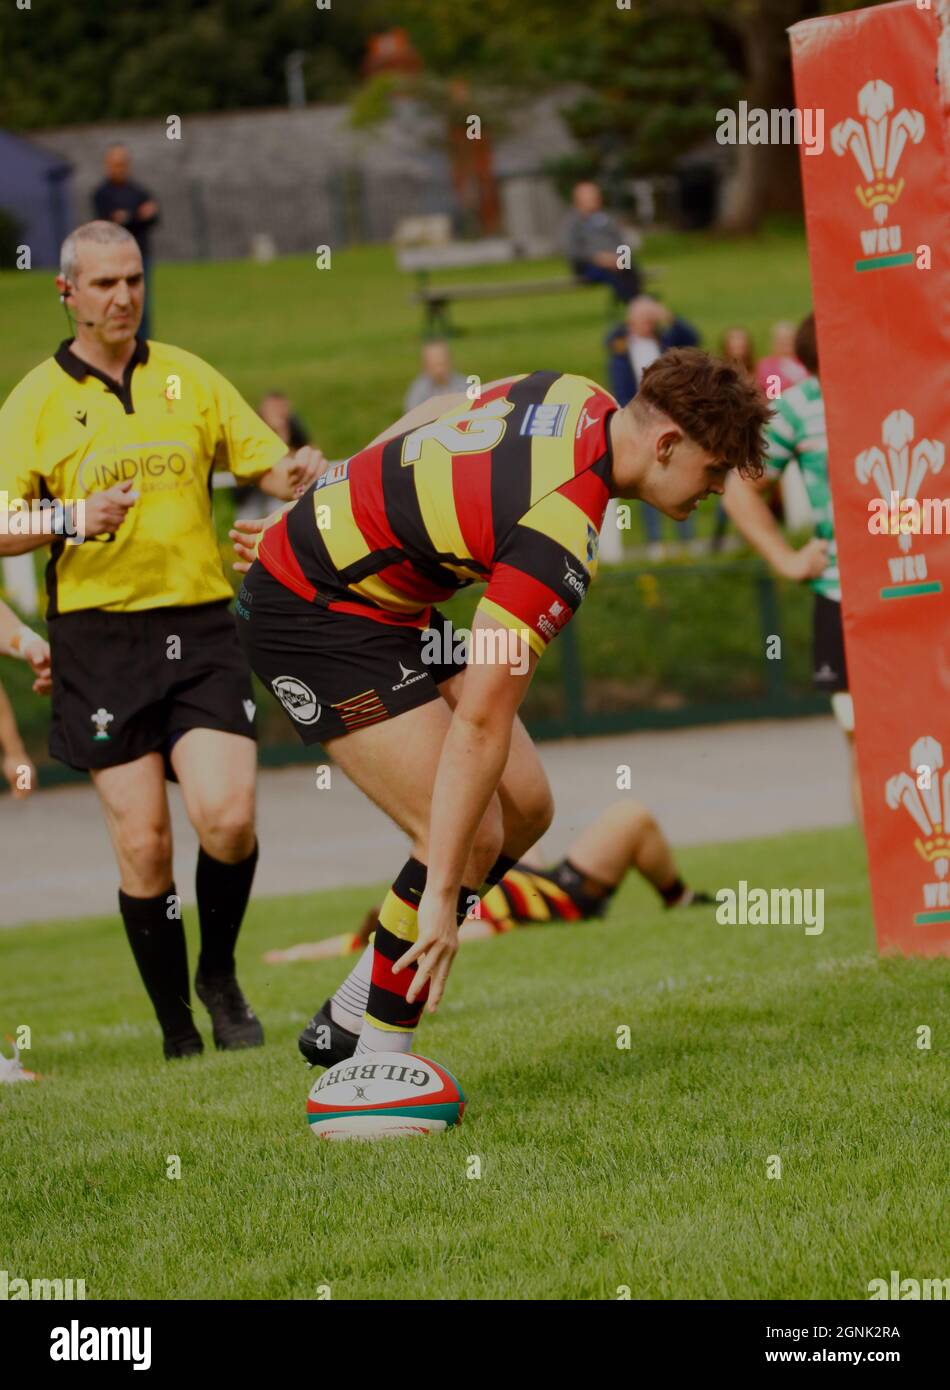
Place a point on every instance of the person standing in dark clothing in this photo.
(120, 199)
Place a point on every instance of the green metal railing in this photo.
(654, 647)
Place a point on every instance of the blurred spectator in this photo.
(781, 368)
(275, 410)
(437, 378)
(738, 351)
(650, 330)
(591, 238)
(119, 199)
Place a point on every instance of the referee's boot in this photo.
(182, 1045)
(233, 1022)
(323, 1042)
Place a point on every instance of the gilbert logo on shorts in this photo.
(297, 699)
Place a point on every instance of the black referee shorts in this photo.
(127, 684)
(332, 672)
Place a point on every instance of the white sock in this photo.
(374, 1039)
(348, 1005)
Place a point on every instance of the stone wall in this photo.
(305, 178)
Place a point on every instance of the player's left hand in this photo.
(38, 655)
(434, 949)
(304, 468)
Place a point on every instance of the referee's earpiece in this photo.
(86, 323)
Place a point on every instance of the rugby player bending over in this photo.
(509, 490)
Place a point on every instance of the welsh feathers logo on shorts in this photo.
(102, 719)
(297, 699)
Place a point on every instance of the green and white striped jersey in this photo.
(797, 431)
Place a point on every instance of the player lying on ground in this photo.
(336, 614)
(17, 640)
(579, 887)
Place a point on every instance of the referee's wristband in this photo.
(21, 639)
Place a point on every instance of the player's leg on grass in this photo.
(216, 772)
(525, 801)
(524, 792)
(527, 806)
(627, 836)
(394, 763)
(135, 807)
(624, 836)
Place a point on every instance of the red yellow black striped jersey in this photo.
(509, 490)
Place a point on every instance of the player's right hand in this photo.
(433, 951)
(105, 511)
(807, 563)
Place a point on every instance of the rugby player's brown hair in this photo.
(720, 409)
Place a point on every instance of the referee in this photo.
(148, 677)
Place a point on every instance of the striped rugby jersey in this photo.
(797, 431)
(509, 490)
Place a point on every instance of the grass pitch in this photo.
(601, 1168)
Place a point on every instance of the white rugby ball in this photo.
(384, 1095)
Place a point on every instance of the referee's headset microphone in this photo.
(73, 321)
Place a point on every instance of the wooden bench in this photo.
(436, 299)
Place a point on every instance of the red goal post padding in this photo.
(877, 201)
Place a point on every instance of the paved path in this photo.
(725, 782)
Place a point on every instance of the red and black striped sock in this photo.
(390, 1021)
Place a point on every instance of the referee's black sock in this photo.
(222, 891)
(158, 945)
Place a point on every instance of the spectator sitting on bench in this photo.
(650, 330)
(437, 378)
(591, 238)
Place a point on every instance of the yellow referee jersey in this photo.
(68, 431)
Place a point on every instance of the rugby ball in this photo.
(384, 1095)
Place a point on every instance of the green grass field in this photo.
(600, 1167)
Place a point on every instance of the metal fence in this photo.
(656, 647)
